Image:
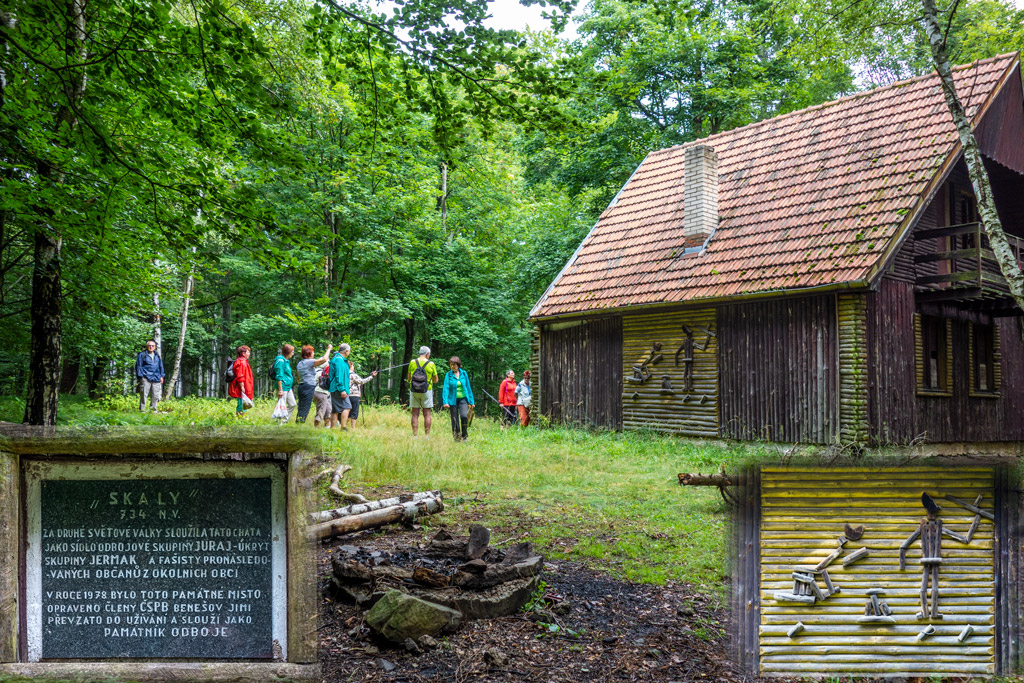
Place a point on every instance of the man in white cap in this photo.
(422, 376)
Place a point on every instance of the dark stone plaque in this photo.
(156, 568)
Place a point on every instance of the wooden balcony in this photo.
(968, 275)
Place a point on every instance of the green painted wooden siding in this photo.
(644, 405)
(803, 512)
(853, 367)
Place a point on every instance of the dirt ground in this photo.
(608, 630)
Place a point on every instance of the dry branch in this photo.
(360, 508)
(406, 512)
(720, 480)
(347, 497)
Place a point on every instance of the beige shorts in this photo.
(421, 400)
(323, 406)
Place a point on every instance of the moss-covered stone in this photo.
(398, 616)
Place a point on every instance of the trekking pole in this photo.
(396, 366)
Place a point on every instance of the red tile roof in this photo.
(806, 199)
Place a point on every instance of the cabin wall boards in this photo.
(831, 596)
(670, 372)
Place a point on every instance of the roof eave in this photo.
(706, 302)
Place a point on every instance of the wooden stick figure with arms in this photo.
(930, 532)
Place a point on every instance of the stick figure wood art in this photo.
(930, 532)
(642, 370)
(805, 581)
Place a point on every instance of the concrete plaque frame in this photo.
(29, 456)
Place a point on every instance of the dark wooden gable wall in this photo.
(1001, 131)
(581, 373)
(778, 370)
(897, 413)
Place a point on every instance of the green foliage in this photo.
(885, 41)
(652, 75)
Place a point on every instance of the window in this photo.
(934, 355)
(984, 360)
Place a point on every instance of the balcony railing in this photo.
(968, 272)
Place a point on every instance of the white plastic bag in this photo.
(281, 409)
(246, 401)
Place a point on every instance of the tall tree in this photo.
(860, 30)
(1007, 260)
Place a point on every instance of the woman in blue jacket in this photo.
(457, 396)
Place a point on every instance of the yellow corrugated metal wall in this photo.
(803, 511)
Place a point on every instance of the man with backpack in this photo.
(338, 376)
(422, 375)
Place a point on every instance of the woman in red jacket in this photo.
(507, 399)
(241, 386)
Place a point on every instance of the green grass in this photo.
(609, 499)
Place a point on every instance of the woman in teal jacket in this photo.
(457, 397)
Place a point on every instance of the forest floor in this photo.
(641, 562)
(613, 630)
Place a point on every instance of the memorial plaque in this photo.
(156, 568)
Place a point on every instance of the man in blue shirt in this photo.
(339, 373)
(150, 371)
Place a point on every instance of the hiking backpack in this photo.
(272, 374)
(229, 374)
(325, 378)
(419, 379)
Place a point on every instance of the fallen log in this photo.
(719, 479)
(405, 512)
(360, 508)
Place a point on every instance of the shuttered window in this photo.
(934, 355)
(984, 360)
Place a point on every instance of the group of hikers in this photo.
(332, 384)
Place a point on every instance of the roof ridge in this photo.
(814, 107)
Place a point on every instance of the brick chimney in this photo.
(700, 198)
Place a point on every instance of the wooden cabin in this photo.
(814, 277)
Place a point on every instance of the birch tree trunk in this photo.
(157, 319)
(972, 154)
(44, 360)
(176, 372)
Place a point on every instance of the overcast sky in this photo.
(510, 14)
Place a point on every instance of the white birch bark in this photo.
(972, 154)
(405, 512)
(176, 372)
(157, 335)
(338, 513)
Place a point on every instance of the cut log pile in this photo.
(368, 514)
(377, 516)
